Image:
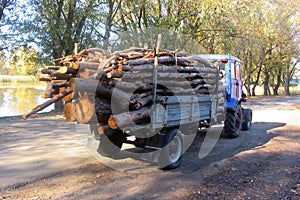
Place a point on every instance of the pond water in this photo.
(18, 100)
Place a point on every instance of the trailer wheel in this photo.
(172, 150)
(232, 123)
(246, 125)
(110, 143)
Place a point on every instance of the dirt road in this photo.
(43, 158)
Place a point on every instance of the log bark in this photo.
(69, 112)
(61, 84)
(127, 119)
(44, 79)
(161, 75)
(59, 76)
(52, 67)
(48, 71)
(95, 87)
(141, 102)
(85, 73)
(88, 65)
(103, 109)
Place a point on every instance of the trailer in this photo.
(172, 118)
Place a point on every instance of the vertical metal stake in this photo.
(155, 76)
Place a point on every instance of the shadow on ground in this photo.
(256, 137)
(143, 161)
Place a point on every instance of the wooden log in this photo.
(68, 97)
(103, 110)
(48, 71)
(103, 129)
(74, 65)
(94, 60)
(172, 60)
(52, 67)
(160, 75)
(69, 112)
(47, 103)
(67, 70)
(166, 68)
(85, 73)
(48, 91)
(103, 65)
(44, 79)
(135, 97)
(95, 87)
(59, 76)
(141, 102)
(135, 87)
(126, 119)
(84, 109)
(88, 65)
(60, 84)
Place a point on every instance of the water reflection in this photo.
(20, 100)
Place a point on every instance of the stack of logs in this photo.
(95, 83)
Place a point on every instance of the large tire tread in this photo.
(232, 124)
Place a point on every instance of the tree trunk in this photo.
(266, 85)
(257, 80)
(276, 88)
(287, 88)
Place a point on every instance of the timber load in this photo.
(114, 88)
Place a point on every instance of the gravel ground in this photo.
(43, 158)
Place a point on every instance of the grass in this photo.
(294, 90)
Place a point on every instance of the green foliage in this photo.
(24, 60)
(58, 25)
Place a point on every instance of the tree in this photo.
(24, 60)
(58, 25)
(6, 22)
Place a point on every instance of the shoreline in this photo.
(37, 115)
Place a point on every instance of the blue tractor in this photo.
(236, 117)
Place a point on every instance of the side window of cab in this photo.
(232, 70)
(238, 71)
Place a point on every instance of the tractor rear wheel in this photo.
(232, 123)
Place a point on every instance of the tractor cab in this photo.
(232, 73)
(236, 117)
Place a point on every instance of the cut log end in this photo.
(68, 112)
(84, 110)
(112, 123)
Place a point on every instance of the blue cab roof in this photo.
(218, 57)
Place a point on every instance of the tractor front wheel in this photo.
(232, 123)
